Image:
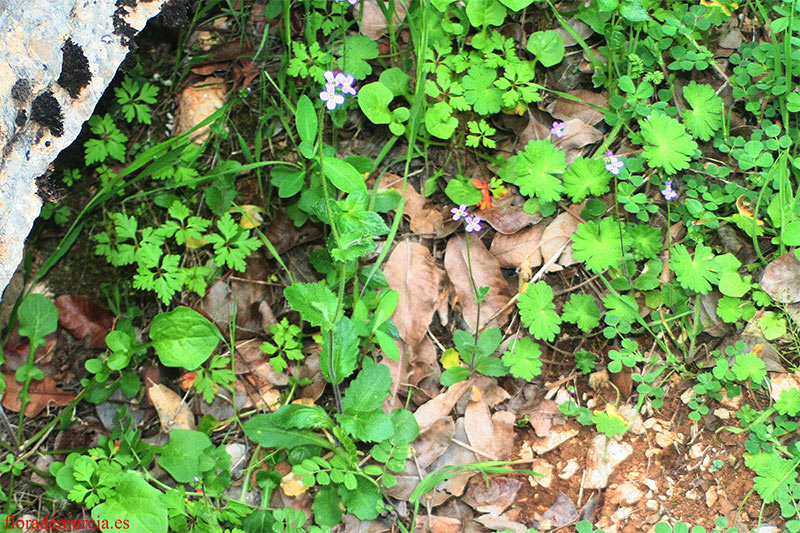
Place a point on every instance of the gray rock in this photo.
(56, 60)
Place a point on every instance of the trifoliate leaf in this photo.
(538, 312)
(523, 360)
(705, 116)
(694, 273)
(582, 311)
(534, 171)
(667, 144)
(585, 177)
(598, 245)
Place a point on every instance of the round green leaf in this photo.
(135, 503)
(547, 46)
(179, 456)
(374, 99)
(184, 338)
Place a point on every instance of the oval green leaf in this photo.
(184, 338)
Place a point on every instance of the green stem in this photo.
(477, 301)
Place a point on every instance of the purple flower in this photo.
(609, 154)
(330, 97)
(668, 192)
(195, 479)
(351, 2)
(459, 212)
(614, 166)
(336, 86)
(558, 129)
(473, 224)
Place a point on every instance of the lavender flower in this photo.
(459, 212)
(195, 479)
(351, 2)
(330, 97)
(613, 164)
(668, 192)
(558, 129)
(336, 86)
(473, 224)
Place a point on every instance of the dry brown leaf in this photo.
(503, 425)
(555, 235)
(412, 272)
(486, 272)
(196, 103)
(432, 442)
(512, 250)
(456, 454)
(480, 431)
(493, 497)
(424, 363)
(41, 393)
(577, 134)
(542, 418)
(373, 23)
(440, 406)
(563, 109)
(424, 216)
(82, 317)
(781, 279)
(407, 481)
(438, 524)
(172, 411)
(498, 523)
(507, 216)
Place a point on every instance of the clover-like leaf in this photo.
(538, 312)
(582, 311)
(667, 144)
(585, 177)
(523, 360)
(598, 244)
(705, 116)
(534, 170)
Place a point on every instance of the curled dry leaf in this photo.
(480, 431)
(82, 317)
(781, 279)
(561, 513)
(507, 216)
(373, 23)
(555, 235)
(564, 109)
(432, 442)
(493, 497)
(455, 454)
(172, 411)
(411, 271)
(41, 393)
(440, 406)
(512, 250)
(424, 216)
(196, 103)
(577, 134)
(486, 271)
(503, 426)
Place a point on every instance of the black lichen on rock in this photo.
(121, 26)
(22, 118)
(75, 73)
(46, 111)
(21, 90)
(175, 14)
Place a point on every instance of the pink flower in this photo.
(473, 224)
(668, 192)
(459, 212)
(558, 129)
